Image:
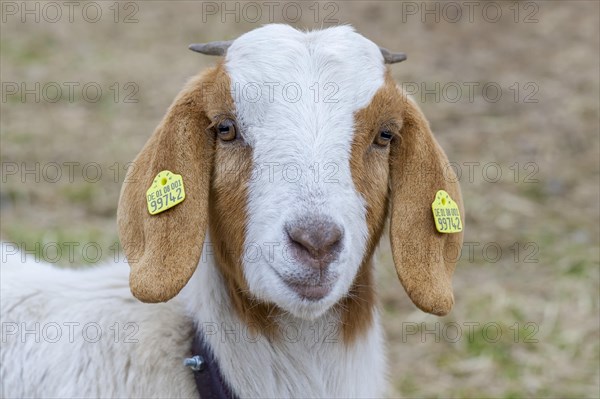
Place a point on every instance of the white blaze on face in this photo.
(295, 95)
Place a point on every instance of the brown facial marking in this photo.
(228, 197)
(370, 169)
(227, 224)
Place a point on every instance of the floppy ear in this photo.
(163, 250)
(424, 258)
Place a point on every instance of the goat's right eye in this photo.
(227, 130)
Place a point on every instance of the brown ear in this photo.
(163, 250)
(424, 258)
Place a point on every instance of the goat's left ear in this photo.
(424, 258)
(163, 249)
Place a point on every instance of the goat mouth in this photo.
(309, 291)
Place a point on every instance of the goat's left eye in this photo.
(227, 130)
(384, 137)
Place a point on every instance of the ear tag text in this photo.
(166, 191)
(446, 213)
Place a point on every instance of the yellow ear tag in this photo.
(446, 213)
(166, 192)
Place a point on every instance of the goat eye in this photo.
(384, 137)
(226, 130)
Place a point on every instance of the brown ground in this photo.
(543, 297)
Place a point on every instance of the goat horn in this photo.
(220, 48)
(211, 48)
(392, 58)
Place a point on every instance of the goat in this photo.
(289, 174)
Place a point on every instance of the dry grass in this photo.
(557, 216)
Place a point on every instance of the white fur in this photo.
(311, 360)
(65, 357)
(142, 346)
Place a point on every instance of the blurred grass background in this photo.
(531, 267)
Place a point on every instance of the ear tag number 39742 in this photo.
(446, 213)
(166, 192)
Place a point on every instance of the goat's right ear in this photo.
(163, 250)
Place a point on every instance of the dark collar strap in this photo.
(209, 380)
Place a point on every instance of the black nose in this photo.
(315, 242)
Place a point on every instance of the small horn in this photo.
(212, 48)
(392, 58)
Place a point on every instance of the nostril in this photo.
(321, 239)
(331, 238)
